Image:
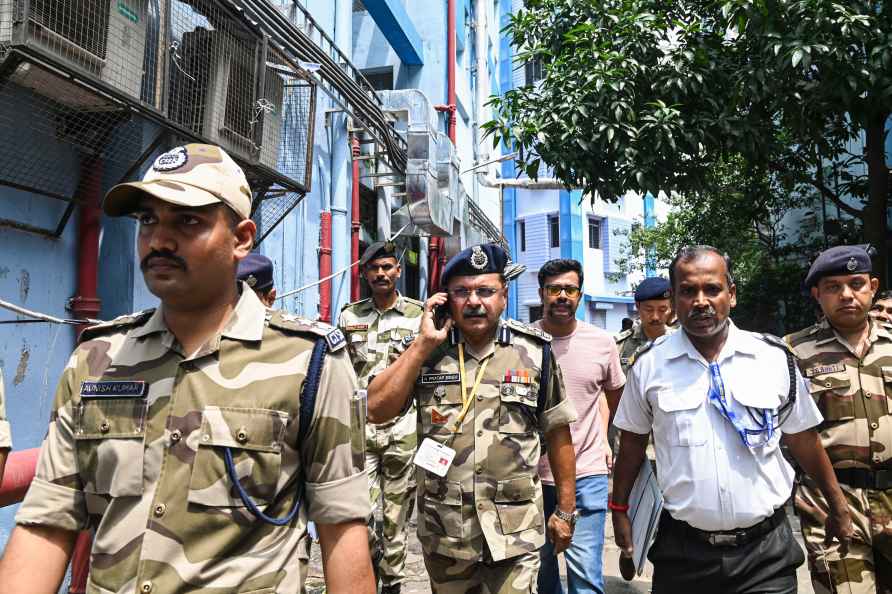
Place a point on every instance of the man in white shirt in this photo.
(719, 401)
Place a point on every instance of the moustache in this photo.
(164, 255)
(476, 312)
(703, 314)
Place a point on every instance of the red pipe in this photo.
(325, 266)
(354, 224)
(20, 468)
(86, 303)
(450, 56)
(80, 563)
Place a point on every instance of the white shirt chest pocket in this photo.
(684, 416)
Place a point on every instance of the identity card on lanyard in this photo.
(434, 456)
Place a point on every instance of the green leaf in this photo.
(797, 57)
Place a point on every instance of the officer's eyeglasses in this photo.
(555, 290)
(464, 293)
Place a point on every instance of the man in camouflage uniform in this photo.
(846, 359)
(5, 433)
(477, 382)
(375, 328)
(654, 312)
(157, 410)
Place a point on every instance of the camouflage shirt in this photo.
(134, 452)
(374, 336)
(853, 394)
(5, 432)
(491, 498)
(630, 341)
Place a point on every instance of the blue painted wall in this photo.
(509, 171)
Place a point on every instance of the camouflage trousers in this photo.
(390, 449)
(516, 575)
(868, 566)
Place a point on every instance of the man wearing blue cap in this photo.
(654, 310)
(846, 358)
(257, 271)
(485, 389)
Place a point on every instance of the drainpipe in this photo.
(354, 223)
(325, 266)
(436, 252)
(86, 304)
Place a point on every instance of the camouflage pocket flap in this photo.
(110, 418)
(887, 374)
(243, 428)
(441, 490)
(820, 383)
(514, 490)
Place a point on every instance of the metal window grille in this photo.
(594, 234)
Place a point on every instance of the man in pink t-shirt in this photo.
(589, 362)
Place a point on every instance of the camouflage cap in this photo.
(190, 175)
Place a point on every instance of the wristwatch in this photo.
(568, 518)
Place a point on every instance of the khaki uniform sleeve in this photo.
(56, 496)
(5, 430)
(334, 451)
(558, 409)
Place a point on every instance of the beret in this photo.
(478, 259)
(839, 260)
(379, 249)
(654, 287)
(257, 271)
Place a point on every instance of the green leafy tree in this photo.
(652, 95)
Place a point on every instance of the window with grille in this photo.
(554, 232)
(522, 232)
(594, 233)
(83, 23)
(533, 71)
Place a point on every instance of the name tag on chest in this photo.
(440, 378)
(434, 457)
(822, 369)
(114, 389)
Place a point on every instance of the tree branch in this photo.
(823, 189)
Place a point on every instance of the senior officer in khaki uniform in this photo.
(5, 432)
(375, 328)
(847, 360)
(485, 388)
(174, 432)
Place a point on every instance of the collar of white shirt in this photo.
(678, 344)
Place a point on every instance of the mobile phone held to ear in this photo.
(441, 314)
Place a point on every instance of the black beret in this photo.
(379, 249)
(654, 287)
(478, 259)
(257, 271)
(839, 260)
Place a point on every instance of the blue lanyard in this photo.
(751, 437)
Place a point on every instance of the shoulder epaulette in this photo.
(355, 303)
(414, 301)
(623, 335)
(646, 347)
(120, 323)
(804, 335)
(775, 341)
(291, 323)
(527, 329)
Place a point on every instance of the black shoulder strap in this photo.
(311, 388)
(544, 379)
(791, 364)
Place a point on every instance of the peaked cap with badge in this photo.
(654, 287)
(485, 258)
(190, 175)
(839, 260)
(256, 270)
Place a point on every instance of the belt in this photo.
(861, 478)
(734, 538)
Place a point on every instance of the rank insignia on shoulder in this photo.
(336, 340)
(114, 389)
(439, 378)
(823, 369)
(518, 376)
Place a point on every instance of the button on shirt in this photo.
(708, 477)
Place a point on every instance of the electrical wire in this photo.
(41, 317)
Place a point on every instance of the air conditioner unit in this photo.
(212, 93)
(106, 38)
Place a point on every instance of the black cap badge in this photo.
(479, 260)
